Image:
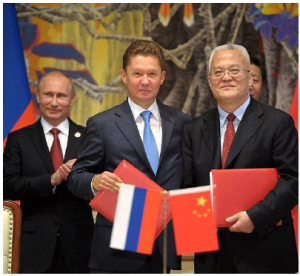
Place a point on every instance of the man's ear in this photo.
(250, 79)
(163, 76)
(73, 99)
(124, 76)
(38, 96)
(209, 82)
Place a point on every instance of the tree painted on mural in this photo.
(187, 34)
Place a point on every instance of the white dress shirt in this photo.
(62, 136)
(239, 113)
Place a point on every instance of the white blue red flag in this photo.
(136, 218)
(18, 107)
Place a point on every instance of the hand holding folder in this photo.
(105, 202)
(237, 190)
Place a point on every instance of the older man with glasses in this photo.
(243, 133)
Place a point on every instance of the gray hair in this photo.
(225, 47)
(58, 73)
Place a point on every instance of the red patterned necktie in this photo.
(56, 153)
(229, 134)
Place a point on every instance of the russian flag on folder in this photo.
(135, 219)
(18, 107)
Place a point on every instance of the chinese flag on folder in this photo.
(194, 225)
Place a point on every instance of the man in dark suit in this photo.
(265, 137)
(118, 134)
(57, 227)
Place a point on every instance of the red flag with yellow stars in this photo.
(194, 225)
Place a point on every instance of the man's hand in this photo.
(66, 168)
(106, 181)
(62, 173)
(242, 223)
(56, 178)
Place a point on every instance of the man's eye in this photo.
(219, 72)
(255, 81)
(234, 71)
(137, 73)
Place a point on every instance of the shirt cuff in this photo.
(93, 190)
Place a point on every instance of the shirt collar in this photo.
(63, 126)
(239, 112)
(137, 110)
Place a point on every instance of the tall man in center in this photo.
(118, 134)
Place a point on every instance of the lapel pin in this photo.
(77, 134)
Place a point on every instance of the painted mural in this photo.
(87, 41)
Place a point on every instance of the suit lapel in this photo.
(127, 125)
(167, 123)
(73, 141)
(249, 125)
(211, 133)
(38, 138)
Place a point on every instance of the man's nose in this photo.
(145, 79)
(226, 75)
(54, 100)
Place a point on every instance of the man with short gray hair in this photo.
(243, 133)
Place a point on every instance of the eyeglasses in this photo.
(232, 72)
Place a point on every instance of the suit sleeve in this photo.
(90, 162)
(16, 186)
(284, 197)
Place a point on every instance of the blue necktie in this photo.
(149, 142)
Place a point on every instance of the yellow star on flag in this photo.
(201, 201)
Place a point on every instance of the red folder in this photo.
(105, 202)
(237, 190)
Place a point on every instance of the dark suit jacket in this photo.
(112, 136)
(27, 169)
(265, 138)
